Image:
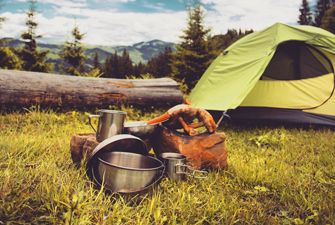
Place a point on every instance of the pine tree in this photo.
(33, 60)
(192, 56)
(328, 20)
(107, 68)
(220, 42)
(139, 69)
(125, 65)
(305, 17)
(321, 7)
(9, 59)
(112, 66)
(73, 54)
(160, 66)
(96, 61)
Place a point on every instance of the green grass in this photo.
(275, 176)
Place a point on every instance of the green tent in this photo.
(281, 73)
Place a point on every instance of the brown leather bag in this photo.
(203, 151)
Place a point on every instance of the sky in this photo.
(125, 22)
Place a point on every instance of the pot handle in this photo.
(191, 172)
(90, 122)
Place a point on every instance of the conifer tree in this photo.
(96, 61)
(125, 65)
(111, 66)
(220, 42)
(73, 54)
(192, 56)
(33, 60)
(328, 20)
(321, 7)
(160, 66)
(9, 59)
(118, 66)
(139, 69)
(107, 68)
(305, 17)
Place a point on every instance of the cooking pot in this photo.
(140, 129)
(128, 173)
(120, 142)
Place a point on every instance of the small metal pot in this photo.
(177, 169)
(110, 123)
(117, 143)
(140, 129)
(124, 172)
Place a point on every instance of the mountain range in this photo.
(139, 52)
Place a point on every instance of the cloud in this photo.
(109, 26)
(246, 14)
(103, 27)
(65, 3)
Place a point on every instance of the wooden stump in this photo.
(81, 146)
(202, 151)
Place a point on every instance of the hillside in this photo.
(139, 52)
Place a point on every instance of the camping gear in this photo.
(202, 151)
(110, 123)
(283, 73)
(117, 143)
(183, 115)
(81, 146)
(124, 172)
(140, 129)
(177, 169)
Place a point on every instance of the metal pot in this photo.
(177, 169)
(120, 142)
(124, 172)
(140, 129)
(110, 123)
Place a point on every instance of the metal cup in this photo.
(177, 169)
(110, 123)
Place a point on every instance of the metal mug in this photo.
(110, 123)
(177, 169)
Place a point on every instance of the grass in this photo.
(275, 176)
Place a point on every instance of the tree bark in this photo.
(21, 88)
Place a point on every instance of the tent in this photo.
(283, 73)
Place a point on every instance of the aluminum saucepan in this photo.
(127, 173)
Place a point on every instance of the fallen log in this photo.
(21, 88)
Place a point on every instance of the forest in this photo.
(186, 63)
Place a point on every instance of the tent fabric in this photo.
(291, 94)
(258, 115)
(235, 72)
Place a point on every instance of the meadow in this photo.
(275, 176)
